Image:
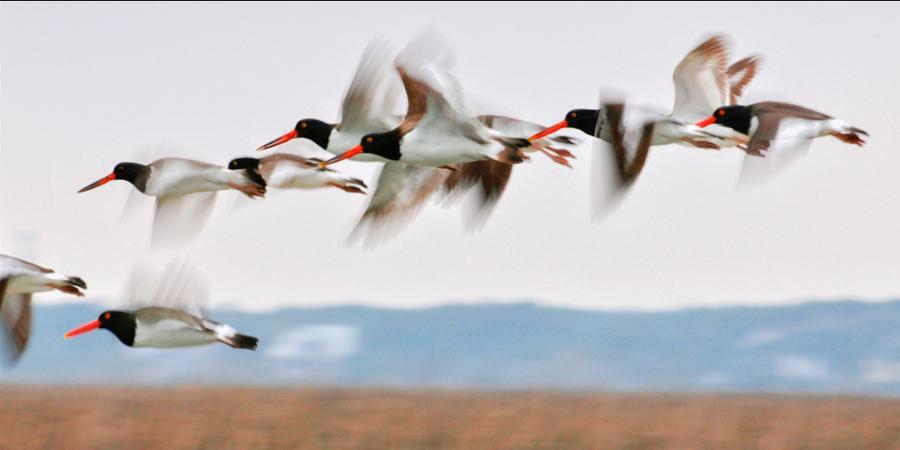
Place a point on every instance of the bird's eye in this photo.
(572, 115)
(106, 316)
(721, 112)
(369, 140)
(303, 125)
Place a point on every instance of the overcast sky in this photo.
(85, 86)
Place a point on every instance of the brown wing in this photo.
(417, 101)
(740, 74)
(17, 262)
(15, 321)
(784, 110)
(158, 313)
(267, 164)
(400, 192)
(628, 169)
(489, 175)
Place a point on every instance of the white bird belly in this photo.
(170, 333)
(442, 152)
(298, 178)
(28, 283)
(185, 179)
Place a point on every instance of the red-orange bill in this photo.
(346, 155)
(552, 129)
(706, 122)
(99, 182)
(82, 329)
(279, 140)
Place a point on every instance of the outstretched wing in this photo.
(617, 163)
(740, 74)
(435, 99)
(15, 323)
(179, 219)
(701, 80)
(371, 96)
(11, 262)
(175, 283)
(400, 192)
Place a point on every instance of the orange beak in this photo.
(82, 329)
(706, 122)
(280, 140)
(99, 182)
(346, 155)
(553, 129)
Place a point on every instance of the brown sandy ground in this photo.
(246, 418)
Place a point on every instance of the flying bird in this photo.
(768, 122)
(185, 192)
(289, 171)
(20, 279)
(159, 327)
(703, 81)
(166, 311)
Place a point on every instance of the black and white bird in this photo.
(768, 122)
(20, 279)
(703, 81)
(160, 327)
(170, 177)
(289, 171)
(185, 193)
(165, 302)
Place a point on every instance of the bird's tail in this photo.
(512, 152)
(850, 135)
(67, 284)
(349, 184)
(242, 341)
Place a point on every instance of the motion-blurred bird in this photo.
(768, 122)
(288, 171)
(165, 328)
(18, 280)
(703, 81)
(185, 192)
(169, 177)
(166, 301)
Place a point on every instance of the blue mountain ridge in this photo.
(822, 347)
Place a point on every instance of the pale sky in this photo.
(83, 87)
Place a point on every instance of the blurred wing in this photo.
(740, 74)
(617, 164)
(781, 155)
(179, 219)
(400, 193)
(435, 97)
(369, 101)
(11, 262)
(701, 80)
(488, 178)
(177, 284)
(15, 323)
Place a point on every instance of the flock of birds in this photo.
(438, 147)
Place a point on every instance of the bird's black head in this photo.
(120, 323)
(313, 129)
(583, 119)
(736, 117)
(133, 173)
(129, 171)
(243, 163)
(386, 145)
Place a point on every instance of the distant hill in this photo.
(837, 347)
